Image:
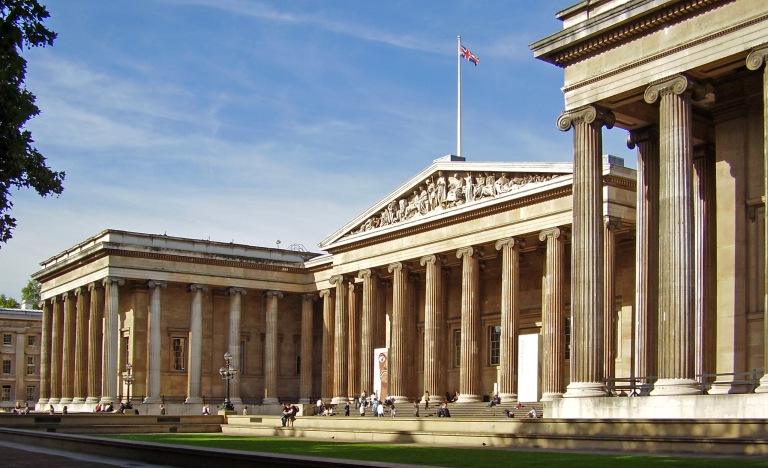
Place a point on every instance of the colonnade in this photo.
(673, 243)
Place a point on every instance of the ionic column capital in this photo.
(366, 274)
(78, 291)
(112, 280)
(233, 290)
(65, 295)
(308, 296)
(324, 293)
(511, 242)
(337, 280)
(152, 284)
(431, 259)
(277, 294)
(470, 251)
(93, 286)
(587, 115)
(757, 58)
(641, 135)
(193, 287)
(397, 266)
(678, 84)
(553, 233)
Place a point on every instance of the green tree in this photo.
(31, 292)
(8, 302)
(21, 165)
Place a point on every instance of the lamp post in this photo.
(228, 373)
(128, 379)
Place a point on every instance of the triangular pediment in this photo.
(448, 188)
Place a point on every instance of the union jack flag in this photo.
(464, 52)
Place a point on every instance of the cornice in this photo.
(582, 47)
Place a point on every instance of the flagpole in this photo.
(458, 113)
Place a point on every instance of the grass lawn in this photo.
(416, 455)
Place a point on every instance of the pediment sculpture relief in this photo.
(441, 192)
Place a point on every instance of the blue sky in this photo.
(253, 121)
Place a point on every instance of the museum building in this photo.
(553, 282)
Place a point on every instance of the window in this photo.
(567, 338)
(298, 365)
(456, 348)
(31, 396)
(6, 365)
(179, 354)
(494, 343)
(6, 395)
(31, 365)
(241, 370)
(7, 339)
(31, 340)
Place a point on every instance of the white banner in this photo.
(528, 368)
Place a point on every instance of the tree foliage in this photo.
(8, 302)
(21, 164)
(31, 292)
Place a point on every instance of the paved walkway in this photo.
(26, 456)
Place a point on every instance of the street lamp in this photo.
(228, 373)
(128, 379)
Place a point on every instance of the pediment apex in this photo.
(442, 188)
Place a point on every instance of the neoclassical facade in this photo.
(688, 81)
(544, 282)
(446, 274)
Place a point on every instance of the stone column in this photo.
(271, 355)
(434, 329)
(469, 371)
(194, 365)
(587, 250)
(510, 310)
(307, 355)
(111, 344)
(56, 349)
(81, 343)
(328, 337)
(353, 348)
(154, 350)
(676, 291)
(609, 300)
(340, 358)
(95, 342)
(397, 357)
(703, 168)
(756, 60)
(553, 315)
(369, 328)
(45, 356)
(646, 140)
(233, 343)
(68, 349)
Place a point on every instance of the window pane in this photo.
(456, 348)
(179, 354)
(30, 393)
(31, 365)
(494, 345)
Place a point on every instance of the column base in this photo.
(236, 400)
(399, 399)
(66, 401)
(107, 399)
(78, 400)
(667, 387)
(469, 398)
(153, 400)
(270, 401)
(585, 390)
(304, 401)
(193, 400)
(92, 400)
(44, 401)
(762, 388)
(54, 401)
(340, 400)
(508, 397)
(549, 396)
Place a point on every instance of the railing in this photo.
(748, 380)
(629, 386)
